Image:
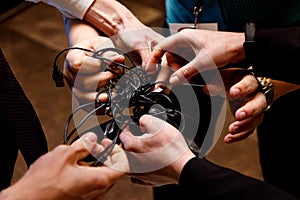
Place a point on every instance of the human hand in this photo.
(138, 38)
(126, 30)
(190, 52)
(60, 174)
(158, 156)
(86, 75)
(251, 114)
(246, 101)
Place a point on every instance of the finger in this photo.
(117, 158)
(79, 61)
(231, 138)
(129, 141)
(163, 74)
(151, 125)
(107, 142)
(215, 86)
(113, 57)
(245, 125)
(92, 82)
(199, 64)
(175, 61)
(158, 132)
(246, 86)
(183, 74)
(170, 44)
(145, 55)
(214, 89)
(154, 59)
(253, 107)
(84, 145)
(88, 97)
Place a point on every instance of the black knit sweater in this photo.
(265, 13)
(276, 50)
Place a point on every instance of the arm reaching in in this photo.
(60, 174)
(86, 75)
(196, 176)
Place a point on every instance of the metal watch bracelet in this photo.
(267, 89)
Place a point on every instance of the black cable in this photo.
(57, 75)
(135, 87)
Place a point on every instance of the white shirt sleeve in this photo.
(70, 8)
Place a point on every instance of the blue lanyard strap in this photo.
(197, 9)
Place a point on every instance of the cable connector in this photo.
(58, 77)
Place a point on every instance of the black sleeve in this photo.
(203, 179)
(275, 53)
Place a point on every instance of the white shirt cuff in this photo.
(70, 8)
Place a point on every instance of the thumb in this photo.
(151, 125)
(129, 141)
(200, 63)
(86, 144)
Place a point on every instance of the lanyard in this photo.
(197, 9)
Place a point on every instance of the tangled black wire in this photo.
(131, 94)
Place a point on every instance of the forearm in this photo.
(111, 17)
(78, 30)
(201, 177)
(275, 53)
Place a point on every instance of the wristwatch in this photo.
(249, 44)
(250, 29)
(267, 89)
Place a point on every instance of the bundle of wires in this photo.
(131, 94)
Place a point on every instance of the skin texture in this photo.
(222, 47)
(157, 138)
(53, 175)
(113, 18)
(84, 74)
(210, 50)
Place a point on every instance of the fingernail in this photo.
(235, 129)
(227, 139)
(235, 92)
(150, 67)
(88, 138)
(241, 115)
(146, 120)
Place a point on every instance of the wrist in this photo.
(240, 51)
(235, 47)
(181, 162)
(110, 16)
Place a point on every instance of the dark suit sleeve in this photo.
(275, 53)
(203, 179)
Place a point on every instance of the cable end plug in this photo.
(58, 78)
